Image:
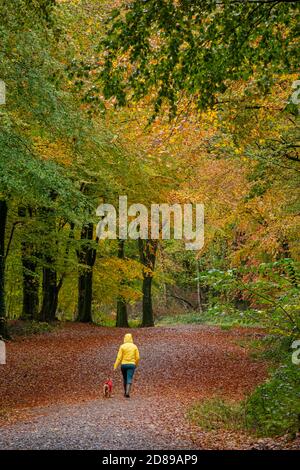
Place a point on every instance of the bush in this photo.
(29, 327)
(274, 407)
(220, 315)
(274, 348)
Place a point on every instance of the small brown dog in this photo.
(107, 388)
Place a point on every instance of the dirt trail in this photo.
(51, 387)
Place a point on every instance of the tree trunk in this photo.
(122, 316)
(148, 250)
(199, 300)
(51, 284)
(30, 283)
(50, 292)
(29, 267)
(49, 253)
(85, 284)
(3, 219)
(148, 319)
(86, 257)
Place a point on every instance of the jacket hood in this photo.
(128, 338)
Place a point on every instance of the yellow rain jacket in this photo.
(128, 352)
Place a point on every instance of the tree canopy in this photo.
(168, 47)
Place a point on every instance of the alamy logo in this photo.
(2, 92)
(2, 352)
(295, 98)
(136, 222)
(296, 354)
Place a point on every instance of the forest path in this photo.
(52, 385)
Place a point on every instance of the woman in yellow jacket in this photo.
(128, 356)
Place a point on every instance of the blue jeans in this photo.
(127, 371)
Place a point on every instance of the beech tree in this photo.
(122, 317)
(35, 98)
(148, 250)
(166, 48)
